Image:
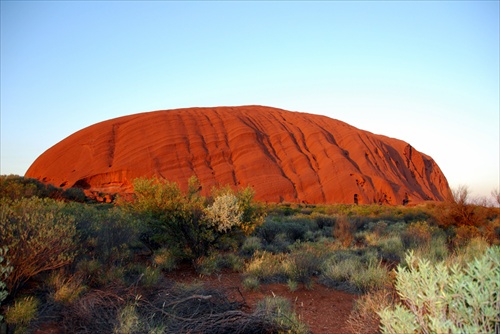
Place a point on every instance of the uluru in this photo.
(284, 156)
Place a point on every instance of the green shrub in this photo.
(116, 275)
(5, 270)
(293, 285)
(439, 298)
(284, 209)
(289, 230)
(352, 272)
(108, 235)
(38, 235)
(251, 245)
(214, 263)
(15, 187)
(279, 311)
(268, 230)
(474, 248)
(207, 265)
(74, 194)
(417, 234)
(232, 261)
(391, 248)
(435, 250)
(251, 283)
(323, 220)
(304, 262)
(337, 271)
(280, 244)
(374, 276)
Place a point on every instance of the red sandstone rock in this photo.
(285, 156)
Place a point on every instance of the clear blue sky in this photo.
(426, 72)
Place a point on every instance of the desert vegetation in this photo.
(85, 267)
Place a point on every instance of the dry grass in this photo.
(364, 318)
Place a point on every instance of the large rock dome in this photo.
(285, 156)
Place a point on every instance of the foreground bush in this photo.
(5, 270)
(39, 238)
(442, 299)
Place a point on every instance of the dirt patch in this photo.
(324, 310)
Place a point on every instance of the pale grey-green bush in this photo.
(225, 213)
(441, 298)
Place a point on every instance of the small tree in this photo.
(39, 237)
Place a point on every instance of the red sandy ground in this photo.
(324, 310)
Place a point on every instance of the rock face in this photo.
(285, 156)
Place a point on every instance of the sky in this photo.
(426, 72)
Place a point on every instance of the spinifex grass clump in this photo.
(22, 313)
(305, 261)
(356, 273)
(266, 267)
(279, 311)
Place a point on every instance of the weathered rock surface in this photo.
(285, 156)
